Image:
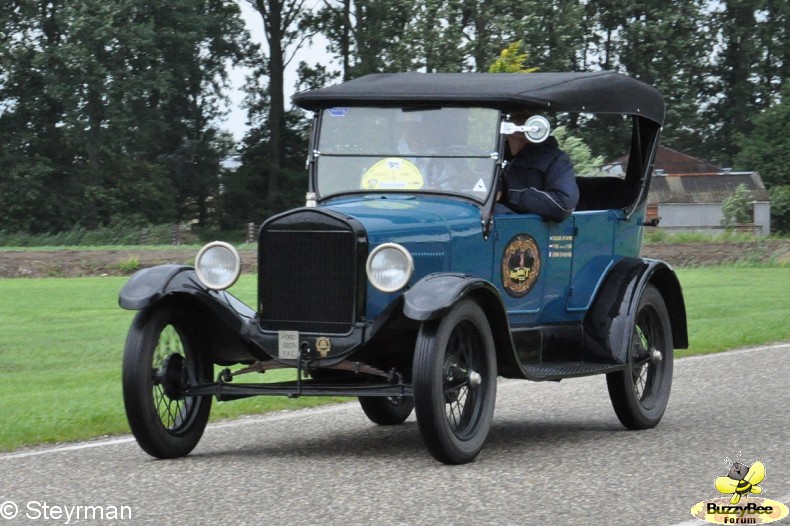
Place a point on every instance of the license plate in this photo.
(288, 345)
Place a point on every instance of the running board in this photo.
(560, 370)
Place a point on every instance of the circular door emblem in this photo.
(520, 265)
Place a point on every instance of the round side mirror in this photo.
(537, 129)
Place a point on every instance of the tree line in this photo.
(111, 111)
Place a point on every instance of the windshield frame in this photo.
(495, 154)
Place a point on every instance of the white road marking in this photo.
(336, 408)
(242, 421)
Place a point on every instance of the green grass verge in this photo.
(735, 306)
(117, 248)
(659, 235)
(61, 342)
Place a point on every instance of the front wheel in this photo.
(640, 393)
(454, 379)
(164, 354)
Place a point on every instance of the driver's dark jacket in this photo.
(540, 180)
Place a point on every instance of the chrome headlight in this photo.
(218, 265)
(389, 267)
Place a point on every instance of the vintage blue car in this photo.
(400, 284)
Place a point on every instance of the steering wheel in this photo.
(458, 173)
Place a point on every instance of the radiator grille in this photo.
(307, 278)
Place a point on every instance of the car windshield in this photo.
(450, 150)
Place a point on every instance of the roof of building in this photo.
(599, 92)
(673, 162)
(713, 188)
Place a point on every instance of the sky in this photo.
(235, 122)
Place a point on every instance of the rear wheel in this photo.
(387, 411)
(640, 393)
(454, 378)
(164, 354)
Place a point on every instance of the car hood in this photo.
(409, 218)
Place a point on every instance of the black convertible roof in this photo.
(600, 92)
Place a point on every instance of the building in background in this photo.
(687, 193)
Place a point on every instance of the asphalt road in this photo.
(556, 455)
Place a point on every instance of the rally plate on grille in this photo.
(288, 345)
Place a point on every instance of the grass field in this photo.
(61, 342)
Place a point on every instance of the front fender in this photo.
(148, 286)
(434, 295)
(231, 323)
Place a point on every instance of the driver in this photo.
(417, 143)
(539, 179)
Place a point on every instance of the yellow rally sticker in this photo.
(392, 173)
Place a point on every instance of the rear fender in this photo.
(434, 295)
(608, 325)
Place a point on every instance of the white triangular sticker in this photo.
(480, 186)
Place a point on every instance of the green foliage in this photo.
(132, 230)
(584, 162)
(135, 132)
(512, 59)
(780, 209)
(109, 109)
(766, 148)
(129, 265)
(661, 235)
(737, 209)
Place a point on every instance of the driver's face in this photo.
(516, 141)
(419, 136)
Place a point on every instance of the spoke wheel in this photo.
(387, 411)
(162, 357)
(640, 393)
(454, 379)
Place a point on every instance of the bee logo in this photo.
(741, 481)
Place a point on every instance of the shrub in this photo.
(780, 209)
(737, 209)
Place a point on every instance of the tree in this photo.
(555, 34)
(246, 195)
(370, 36)
(284, 24)
(766, 148)
(780, 209)
(134, 131)
(773, 34)
(666, 47)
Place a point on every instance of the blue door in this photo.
(532, 262)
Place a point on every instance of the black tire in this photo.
(454, 415)
(640, 393)
(163, 352)
(387, 411)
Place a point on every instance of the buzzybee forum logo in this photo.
(739, 506)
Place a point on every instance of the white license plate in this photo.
(288, 345)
